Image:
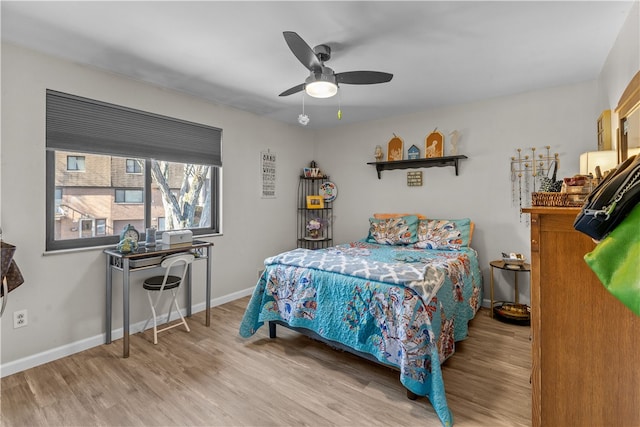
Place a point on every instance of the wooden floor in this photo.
(212, 377)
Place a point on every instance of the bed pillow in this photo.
(444, 234)
(396, 215)
(393, 231)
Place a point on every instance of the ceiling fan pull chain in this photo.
(339, 106)
(303, 119)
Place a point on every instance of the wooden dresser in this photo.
(585, 343)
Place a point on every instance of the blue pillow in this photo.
(444, 234)
(393, 231)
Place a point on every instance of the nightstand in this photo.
(505, 314)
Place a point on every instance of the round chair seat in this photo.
(155, 283)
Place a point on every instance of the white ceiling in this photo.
(233, 53)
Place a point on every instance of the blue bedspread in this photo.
(409, 319)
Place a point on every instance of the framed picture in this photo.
(307, 172)
(315, 202)
(395, 149)
(434, 145)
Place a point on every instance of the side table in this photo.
(516, 269)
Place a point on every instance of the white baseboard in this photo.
(32, 361)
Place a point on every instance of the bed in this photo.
(401, 296)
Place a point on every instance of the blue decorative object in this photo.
(127, 245)
(414, 152)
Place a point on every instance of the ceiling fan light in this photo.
(321, 89)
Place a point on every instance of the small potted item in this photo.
(314, 228)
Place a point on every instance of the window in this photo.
(129, 196)
(58, 202)
(148, 171)
(86, 228)
(134, 166)
(75, 163)
(101, 227)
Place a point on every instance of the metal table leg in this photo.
(125, 307)
(208, 290)
(189, 299)
(109, 301)
(491, 291)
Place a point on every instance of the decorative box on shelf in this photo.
(177, 237)
(578, 189)
(513, 259)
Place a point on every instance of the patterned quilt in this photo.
(406, 307)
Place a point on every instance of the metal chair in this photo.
(167, 282)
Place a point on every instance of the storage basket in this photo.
(549, 199)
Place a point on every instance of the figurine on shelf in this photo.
(127, 245)
(455, 136)
(378, 153)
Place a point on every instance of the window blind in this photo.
(85, 125)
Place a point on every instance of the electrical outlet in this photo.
(19, 319)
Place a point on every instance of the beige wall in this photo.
(64, 292)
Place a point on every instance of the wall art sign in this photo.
(268, 171)
(414, 179)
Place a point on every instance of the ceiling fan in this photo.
(323, 81)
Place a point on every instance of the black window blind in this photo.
(85, 125)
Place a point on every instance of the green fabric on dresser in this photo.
(616, 261)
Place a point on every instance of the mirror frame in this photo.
(628, 104)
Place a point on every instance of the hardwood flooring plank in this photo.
(212, 377)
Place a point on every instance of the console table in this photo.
(147, 258)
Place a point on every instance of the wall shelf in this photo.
(418, 163)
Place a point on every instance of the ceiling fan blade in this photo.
(302, 51)
(363, 77)
(293, 90)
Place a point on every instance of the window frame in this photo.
(136, 165)
(84, 165)
(87, 126)
(105, 240)
(103, 224)
(125, 192)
